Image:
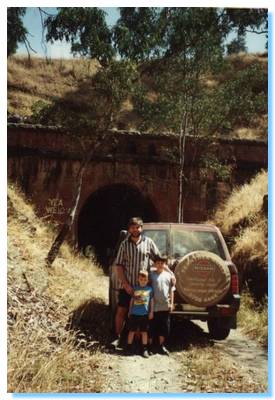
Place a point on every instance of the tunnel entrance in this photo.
(106, 212)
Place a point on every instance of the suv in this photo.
(207, 286)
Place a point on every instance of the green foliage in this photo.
(85, 28)
(179, 86)
(137, 33)
(16, 30)
(236, 101)
(237, 45)
(210, 163)
(40, 111)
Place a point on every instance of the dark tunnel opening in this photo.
(106, 212)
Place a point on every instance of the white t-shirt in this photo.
(162, 284)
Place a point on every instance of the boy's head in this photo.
(143, 278)
(160, 262)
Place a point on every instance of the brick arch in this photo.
(107, 211)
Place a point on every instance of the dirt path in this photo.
(247, 352)
(162, 374)
(159, 374)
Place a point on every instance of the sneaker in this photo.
(115, 343)
(163, 350)
(145, 353)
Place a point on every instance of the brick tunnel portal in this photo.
(106, 212)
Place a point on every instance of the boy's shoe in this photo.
(163, 350)
(145, 353)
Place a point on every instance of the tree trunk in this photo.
(182, 140)
(65, 228)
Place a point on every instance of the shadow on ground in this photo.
(185, 334)
(91, 322)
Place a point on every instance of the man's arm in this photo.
(120, 270)
(121, 276)
(130, 306)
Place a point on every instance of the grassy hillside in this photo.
(43, 354)
(40, 82)
(243, 221)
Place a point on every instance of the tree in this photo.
(190, 43)
(16, 33)
(237, 45)
(137, 33)
(85, 28)
(112, 85)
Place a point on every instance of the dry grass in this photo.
(44, 355)
(44, 80)
(253, 319)
(252, 244)
(242, 219)
(243, 206)
(212, 372)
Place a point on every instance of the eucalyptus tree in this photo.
(85, 28)
(16, 31)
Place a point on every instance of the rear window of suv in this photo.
(160, 237)
(183, 242)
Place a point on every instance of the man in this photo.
(134, 254)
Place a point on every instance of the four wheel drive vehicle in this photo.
(207, 286)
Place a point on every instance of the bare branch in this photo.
(257, 32)
(43, 44)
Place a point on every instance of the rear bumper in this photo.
(189, 311)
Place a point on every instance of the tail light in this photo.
(234, 283)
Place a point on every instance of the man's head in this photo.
(160, 262)
(143, 278)
(135, 227)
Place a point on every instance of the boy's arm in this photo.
(151, 312)
(171, 306)
(171, 273)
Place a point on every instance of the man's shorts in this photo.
(138, 323)
(160, 324)
(124, 298)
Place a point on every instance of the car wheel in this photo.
(203, 278)
(217, 328)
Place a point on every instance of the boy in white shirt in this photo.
(162, 283)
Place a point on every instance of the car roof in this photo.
(186, 226)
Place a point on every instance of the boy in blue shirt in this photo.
(140, 311)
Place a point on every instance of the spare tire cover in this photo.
(203, 278)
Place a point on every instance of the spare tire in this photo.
(203, 278)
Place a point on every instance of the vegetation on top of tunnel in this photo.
(89, 97)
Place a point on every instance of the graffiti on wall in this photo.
(55, 206)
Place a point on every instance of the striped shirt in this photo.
(134, 257)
